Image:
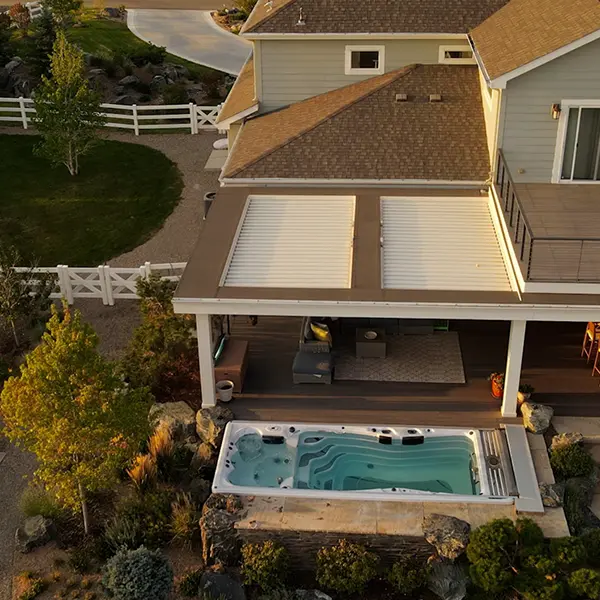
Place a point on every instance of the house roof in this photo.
(525, 30)
(380, 16)
(241, 96)
(362, 132)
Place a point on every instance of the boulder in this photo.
(113, 13)
(211, 422)
(129, 80)
(179, 417)
(12, 64)
(170, 72)
(204, 456)
(200, 490)
(93, 73)
(447, 580)
(536, 417)
(566, 439)
(183, 71)
(35, 531)
(448, 535)
(228, 502)
(220, 543)
(125, 100)
(158, 82)
(219, 586)
(311, 595)
(552, 494)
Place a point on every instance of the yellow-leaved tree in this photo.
(70, 407)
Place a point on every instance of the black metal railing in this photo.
(544, 258)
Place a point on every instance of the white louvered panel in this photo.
(294, 241)
(441, 244)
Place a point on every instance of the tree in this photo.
(67, 109)
(20, 301)
(64, 11)
(6, 49)
(41, 43)
(19, 15)
(71, 409)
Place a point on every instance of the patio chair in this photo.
(313, 362)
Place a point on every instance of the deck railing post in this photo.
(23, 112)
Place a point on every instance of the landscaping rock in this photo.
(228, 502)
(129, 80)
(125, 100)
(35, 531)
(311, 595)
(204, 456)
(179, 417)
(566, 439)
(219, 586)
(113, 13)
(12, 64)
(447, 580)
(552, 494)
(170, 72)
(536, 417)
(200, 490)
(448, 535)
(182, 70)
(93, 73)
(158, 83)
(220, 544)
(211, 422)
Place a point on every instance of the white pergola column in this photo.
(205, 357)
(512, 375)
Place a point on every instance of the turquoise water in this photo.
(353, 462)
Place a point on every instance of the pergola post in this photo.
(512, 375)
(205, 357)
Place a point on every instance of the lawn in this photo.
(112, 37)
(122, 195)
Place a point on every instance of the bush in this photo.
(189, 584)
(35, 500)
(245, 6)
(265, 565)
(41, 43)
(571, 461)
(568, 551)
(184, 518)
(155, 55)
(32, 586)
(591, 541)
(143, 473)
(585, 583)
(175, 94)
(140, 574)
(346, 568)
(19, 15)
(407, 576)
(162, 448)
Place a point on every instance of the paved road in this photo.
(191, 34)
(168, 4)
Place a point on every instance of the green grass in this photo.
(122, 195)
(103, 35)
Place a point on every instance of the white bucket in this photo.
(225, 390)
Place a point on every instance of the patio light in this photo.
(555, 111)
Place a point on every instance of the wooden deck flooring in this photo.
(551, 364)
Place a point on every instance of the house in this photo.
(414, 160)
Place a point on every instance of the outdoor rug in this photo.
(428, 358)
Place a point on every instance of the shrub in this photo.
(41, 42)
(35, 500)
(175, 94)
(490, 540)
(585, 583)
(32, 586)
(189, 584)
(140, 574)
(19, 15)
(155, 55)
(568, 551)
(184, 518)
(538, 587)
(162, 447)
(591, 541)
(245, 6)
(571, 461)
(346, 568)
(143, 473)
(141, 88)
(265, 565)
(491, 575)
(407, 576)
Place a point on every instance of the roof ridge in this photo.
(268, 16)
(388, 80)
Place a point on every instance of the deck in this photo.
(551, 363)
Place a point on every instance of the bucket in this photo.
(225, 390)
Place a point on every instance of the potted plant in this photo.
(497, 380)
(524, 393)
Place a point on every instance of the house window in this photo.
(580, 133)
(365, 60)
(456, 55)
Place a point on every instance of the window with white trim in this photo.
(365, 60)
(456, 55)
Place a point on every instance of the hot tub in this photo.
(363, 462)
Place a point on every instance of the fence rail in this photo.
(104, 282)
(134, 118)
(544, 258)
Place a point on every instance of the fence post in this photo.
(64, 282)
(136, 124)
(23, 111)
(110, 300)
(193, 119)
(102, 282)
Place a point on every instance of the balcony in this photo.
(554, 228)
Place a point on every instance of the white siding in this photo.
(293, 241)
(293, 70)
(441, 244)
(528, 131)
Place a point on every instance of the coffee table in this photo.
(370, 343)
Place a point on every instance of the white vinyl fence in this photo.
(104, 282)
(135, 118)
(34, 8)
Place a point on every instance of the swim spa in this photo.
(336, 461)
